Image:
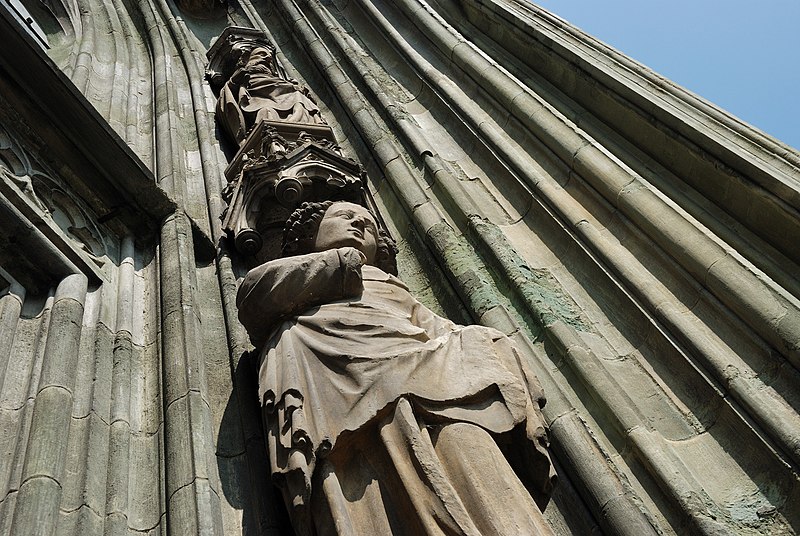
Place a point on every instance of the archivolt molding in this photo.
(529, 139)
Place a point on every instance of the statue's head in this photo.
(261, 55)
(248, 54)
(334, 224)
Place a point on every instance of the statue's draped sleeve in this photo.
(229, 114)
(283, 287)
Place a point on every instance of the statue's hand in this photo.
(352, 257)
(352, 260)
(239, 77)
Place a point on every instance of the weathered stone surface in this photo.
(421, 389)
(84, 520)
(47, 445)
(36, 507)
(636, 243)
(194, 510)
(144, 500)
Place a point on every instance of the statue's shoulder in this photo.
(373, 273)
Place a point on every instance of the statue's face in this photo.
(260, 55)
(348, 224)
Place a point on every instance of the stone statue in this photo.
(380, 416)
(257, 90)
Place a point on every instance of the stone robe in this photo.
(382, 417)
(255, 93)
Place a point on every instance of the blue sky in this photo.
(742, 56)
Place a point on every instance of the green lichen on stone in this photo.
(459, 259)
(539, 290)
(414, 276)
(475, 285)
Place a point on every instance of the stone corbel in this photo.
(269, 188)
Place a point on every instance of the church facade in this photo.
(637, 244)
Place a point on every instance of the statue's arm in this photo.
(239, 77)
(432, 323)
(287, 286)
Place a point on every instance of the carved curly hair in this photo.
(301, 231)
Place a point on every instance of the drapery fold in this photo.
(343, 359)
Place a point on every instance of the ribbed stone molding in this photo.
(637, 243)
(659, 322)
(191, 482)
(37, 503)
(80, 407)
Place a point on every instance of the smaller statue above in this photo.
(257, 90)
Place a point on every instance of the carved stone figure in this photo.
(257, 90)
(382, 417)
